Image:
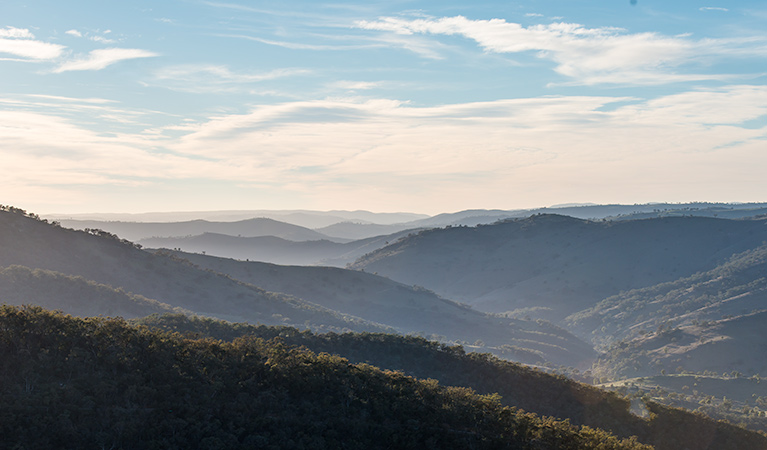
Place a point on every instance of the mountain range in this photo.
(211, 287)
(665, 300)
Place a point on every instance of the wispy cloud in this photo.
(91, 36)
(424, 48)
(216, 78)
(298, 45)
(713, 8)
(585, 55)
(72, 99)
(102, 58)
(103, 111)
(20, 42)
(102, 39)
(393, 137)
(355, 85)
(384, 150)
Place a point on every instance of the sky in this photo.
(420, 106)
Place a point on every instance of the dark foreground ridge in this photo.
(103, 383)
(518, 386)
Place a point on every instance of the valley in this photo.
(666, 310)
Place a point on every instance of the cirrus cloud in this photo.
(102, 58)
(587, 55)
(544, 149)
(216, 78)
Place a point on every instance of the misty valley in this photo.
(570, 327)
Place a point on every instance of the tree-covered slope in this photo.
(710, 326)
(100, 383)
(736, 287)
(734, 344)
(556, 265)
(518, 385)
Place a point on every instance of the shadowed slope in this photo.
(106, 259)
(558, 264)
(408, 309)
(74, 295)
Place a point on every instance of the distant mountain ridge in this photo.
(255, 227)
(354, 225)
(305, 218)
(556, 265)
(276, 250)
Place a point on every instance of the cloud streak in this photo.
(103, 58)
(216, 78)
(585, 55)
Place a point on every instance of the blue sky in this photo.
(388, 106)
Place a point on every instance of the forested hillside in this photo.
(101, 383)
(518, 385)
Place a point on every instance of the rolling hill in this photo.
(734, 288)
(408, 309)
(696, 342)
(303, 218)
(161, 276)
(737, 344)
(551, 266)
(21, 285)
(276, 250)
(714, 367)
(106, 259)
